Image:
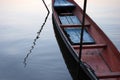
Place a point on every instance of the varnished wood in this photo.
(109, 75)
(93, 46)
(102, 56)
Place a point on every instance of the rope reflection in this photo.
(37, 37)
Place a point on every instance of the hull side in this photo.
(102, 56)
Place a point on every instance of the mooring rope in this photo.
(37, 37)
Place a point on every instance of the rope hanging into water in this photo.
(38, 34)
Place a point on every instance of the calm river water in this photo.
(23, 59)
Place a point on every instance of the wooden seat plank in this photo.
(109, 75)
(63, 3)
(75, 20)
(73, 25)
(91, 46)
(63, 20)
(70, 20)
(74, 36)
(64, 14)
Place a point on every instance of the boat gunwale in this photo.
(65, 39)
(107, 41)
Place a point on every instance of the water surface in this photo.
(19, 23)
(20, 20)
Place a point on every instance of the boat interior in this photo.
(98, 51)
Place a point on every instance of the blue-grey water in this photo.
(20, 20)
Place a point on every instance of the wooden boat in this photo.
(100, 58)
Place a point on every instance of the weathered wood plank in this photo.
(70, 20)
(93, 46)
(109, 75)
(63, 3)
(63, 20)
(74, 36)
(75, 20)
